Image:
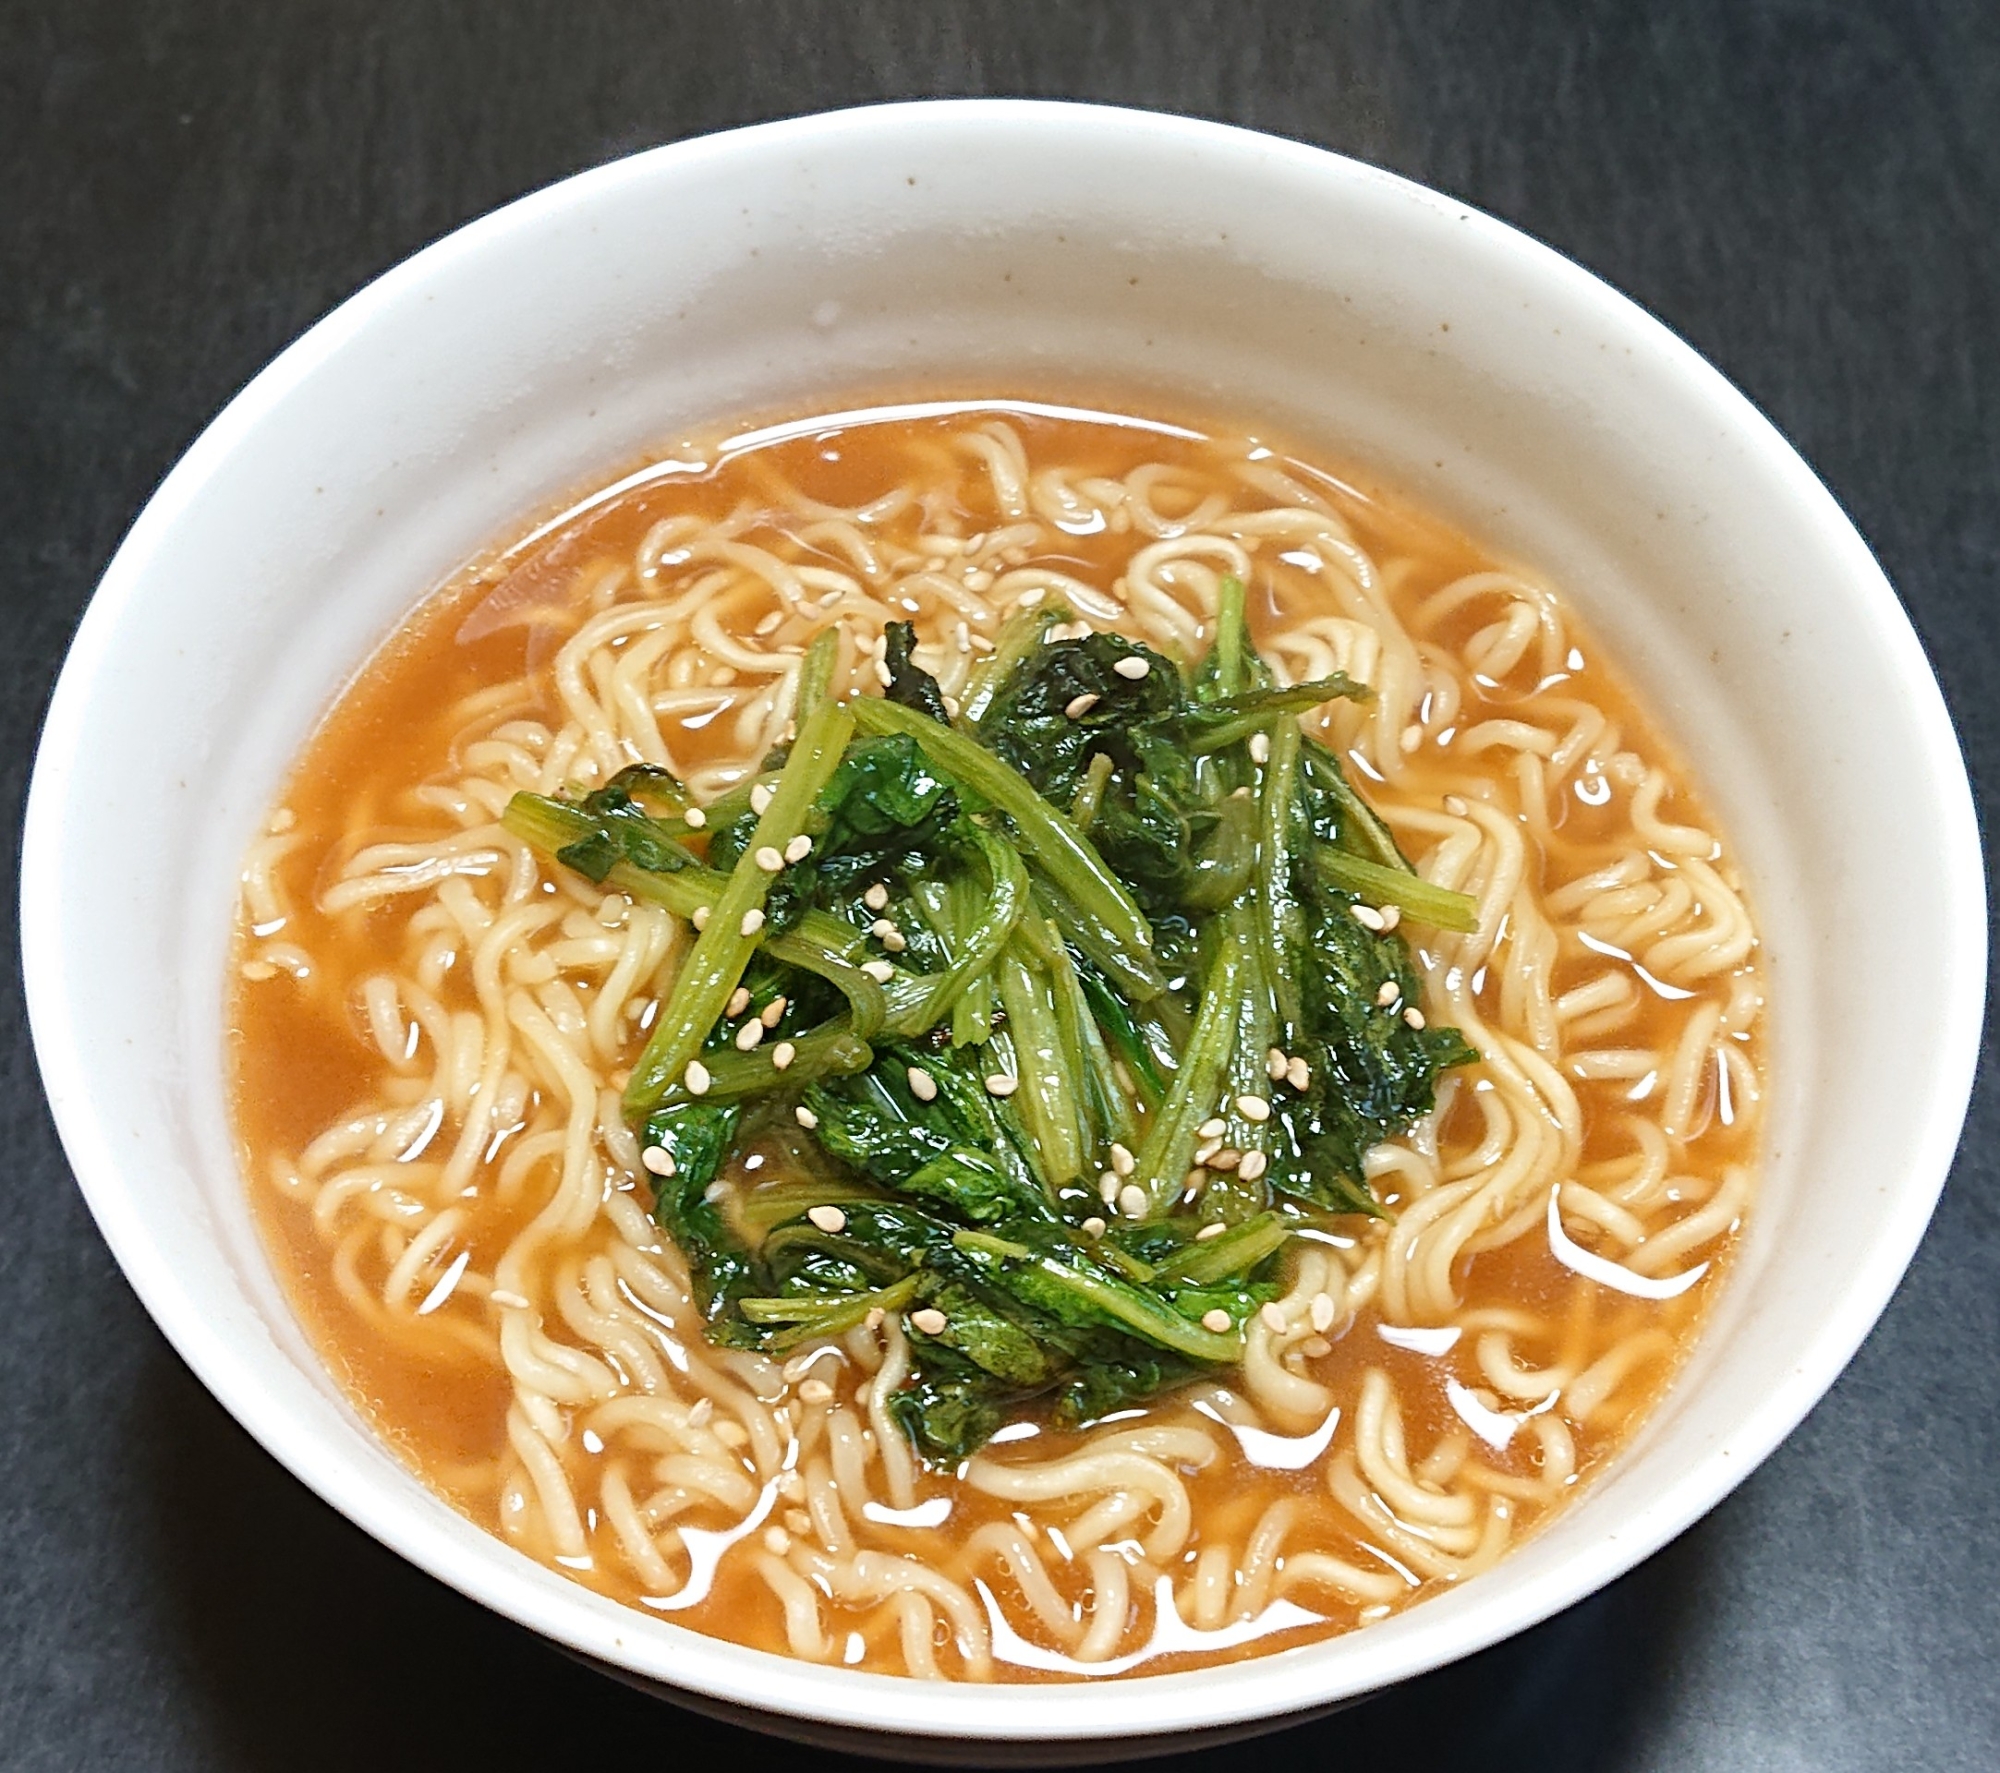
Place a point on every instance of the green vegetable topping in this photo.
(1039, 1024)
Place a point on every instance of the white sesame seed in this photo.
(883, 675)
(1078, 706)
(1274, 1063)
(1388, 994)
(694, 818)
(1392, 915)
(508, 1299)
(753, 921)
(1216, 1322)
(1253, 1107)
(922, 1085)
(611, 911)
(827, 1218)
(732, 1434)
(714, 1192)
(799, 848)
(769, 624)
(282, 820)
(696, 1078)
(1455, 805)
(1132, 1201)
(1212, 1129)
(1208, 1232)
(258, 970)
(1316, 1347)
(876, 898)
(950, 706)
(749, 1035)
(658, 1159)
(815, 1391)
(704, 1408)
(1028, 599)
(1002, 1084)
(805, 1117)
(1207, 1151)
(895, 941)
(777, 1541)
(1254, 1164)
(1366, 916)
(782, 1055)
(760, 800)
(1412, 737)
(700, 918)
(873, 1321)
(1260, 747)
(1107, 1189)
(1122, 1160)
(1414, 1016)
(878, 970)
(1273, 1315)
(930, 1320)
(1133, 668)
(882, 929)
(739, 1001)
(1299, 1075)
(1322, 1311)
(1094, 1226)
(768, 859)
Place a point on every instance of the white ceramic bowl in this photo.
(1052, 249)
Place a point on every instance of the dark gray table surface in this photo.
(1806, 189)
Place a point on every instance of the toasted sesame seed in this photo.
(1208, 1232)
(739, 1001)
(1322, 1311)
(1366, 916)
(694, 818)
(700, 918)
(1388, 994)
(1132, 1201)
(1253, 1107)
(878, 970)
(258, 970)
(782, 1055)
(1455, 805)
(1132, 668)
(749, 1035)
(1107, 1189)
(1254, 1164)
(1299, 1075)
(1002, 1083)
(768, 859)
(827, 1218)
(1225, 1159)
(777, 1541)
(658, 1159)
(1094, 1226)
(1194, 1182)
(1216, 1322)
(1260, 747)
(696, 1078)
(805, 1117)
(1273, 1315)
(760, 800)
(876, 898)
(873, 1321)
(815, 1391)
(922, 1085)
(1275, 1063)
(1392, 915)
(753, 921)
(1414, 1016)
(773, 1012)
(1122, 1160)
(1078, 706)
(930, 1320)
(1212, 1129)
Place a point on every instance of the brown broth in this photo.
(300, 1054)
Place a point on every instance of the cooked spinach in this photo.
(1067, 1020)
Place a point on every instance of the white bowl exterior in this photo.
(1014, 246)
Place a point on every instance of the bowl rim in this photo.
(1148, 1706)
